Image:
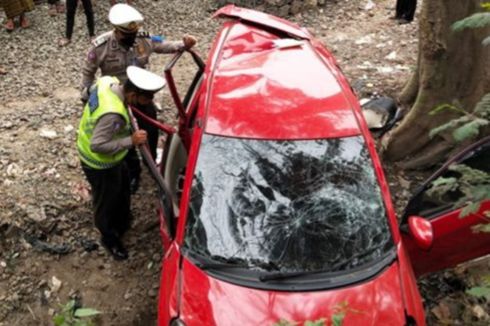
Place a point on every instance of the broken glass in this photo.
(287, 205)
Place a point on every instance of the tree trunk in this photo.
(453, 68)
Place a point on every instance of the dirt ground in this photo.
(45, 204)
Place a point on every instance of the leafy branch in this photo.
(477, 20)
(469, 124)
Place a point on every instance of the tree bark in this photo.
(453, 68)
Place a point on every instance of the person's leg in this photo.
(89, 13)
(106, 200)
(410, 10)
(123, 221)
(71, 9)
(399, 8)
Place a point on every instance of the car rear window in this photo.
(302, 205)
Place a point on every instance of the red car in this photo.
(274, 206)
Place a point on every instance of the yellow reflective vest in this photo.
(102, 102)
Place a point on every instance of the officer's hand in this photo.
(138, 137)
(189, 41)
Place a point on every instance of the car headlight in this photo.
(177, 322)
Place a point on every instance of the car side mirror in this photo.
(421, 231)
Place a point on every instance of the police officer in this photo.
(104, 138)
(115, 50)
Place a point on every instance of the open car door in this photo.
(170, 173)
(455, 239)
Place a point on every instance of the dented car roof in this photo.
(265, 84)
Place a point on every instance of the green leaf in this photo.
(439, 108)
(451, 124)
(338, 319)
(58, 320)
(480, 292)
(444, 181)
(481, 228)
(478, 20)
(469, 130)
(482, 108)
(485, 5)
(284, 322)
(69, 305)
(469, 209)
(86, 312)
(319, 322)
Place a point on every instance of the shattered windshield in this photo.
(289, 206)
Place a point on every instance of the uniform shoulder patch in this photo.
(101, 39)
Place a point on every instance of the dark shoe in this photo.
(115, 248)
(134, 185)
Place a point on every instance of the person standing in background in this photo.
(405, 11)
(71, 9)
(16, 8)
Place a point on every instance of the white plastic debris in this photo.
(49, 134)
(68, 129)
(369, 5)
(386, 70)
(55, 284)
(13, 170)
(391, 56)
(368, 39)
(374, 119)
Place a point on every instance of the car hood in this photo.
(206, 300)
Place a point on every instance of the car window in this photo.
(309, 205)
(429, 204)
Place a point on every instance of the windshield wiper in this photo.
(275, 276)
(286, 275)
(218, 262)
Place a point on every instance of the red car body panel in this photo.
(254, 87)
(262, 19)
(255, 83)
(209, 301)
(454, 241)
(169, 293)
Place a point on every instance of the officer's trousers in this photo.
(111, 200)
(132, 157)
(405, 9)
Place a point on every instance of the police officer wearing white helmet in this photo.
(114, 51)
(104, 139)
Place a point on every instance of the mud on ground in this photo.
(44, 201)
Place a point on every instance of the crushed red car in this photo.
(274, 206)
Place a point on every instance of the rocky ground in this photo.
(49, 249)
